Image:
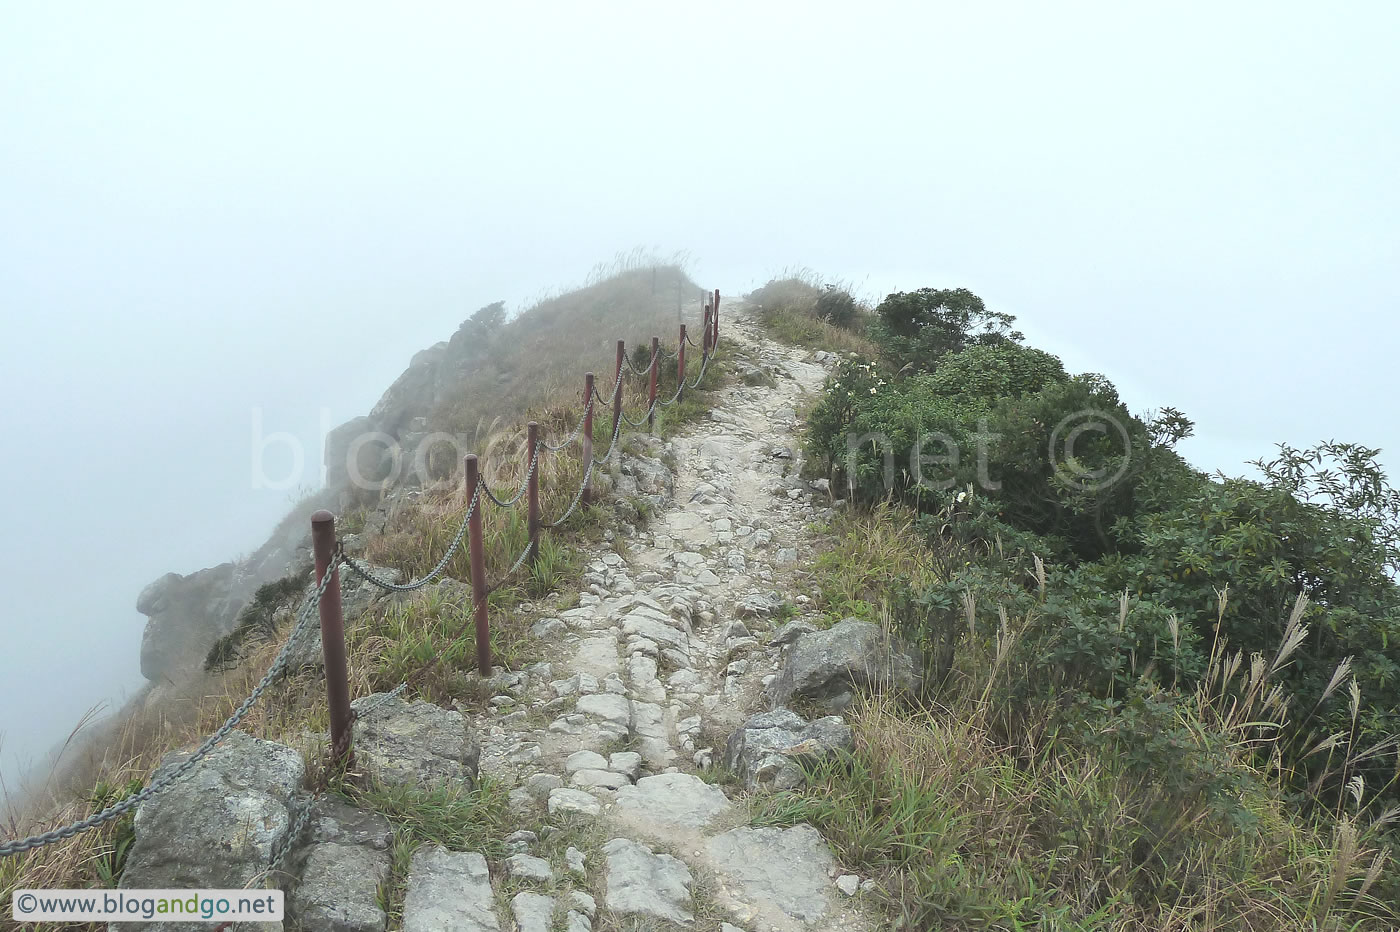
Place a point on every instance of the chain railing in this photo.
(167, 779)
(324, 600)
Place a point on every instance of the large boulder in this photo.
(187, 614)
(344, 859)
(218, 826)
(768, 750)
(414, 743)
(827, 667)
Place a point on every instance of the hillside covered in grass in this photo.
(529, 366)
(1158, 699)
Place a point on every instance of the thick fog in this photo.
(222, 219)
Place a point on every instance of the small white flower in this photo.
(962, 496)
(872, 390)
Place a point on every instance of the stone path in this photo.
(665, 656)
(655, 678)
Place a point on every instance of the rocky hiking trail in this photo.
(674, 667)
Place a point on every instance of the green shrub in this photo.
(916, 328)
(837, 307)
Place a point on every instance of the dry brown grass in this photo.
(788, 309)
(559, 339)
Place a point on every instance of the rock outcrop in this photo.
(414, 743)
(826, 667)
(218, 826)
(768, 751)
(343, 859)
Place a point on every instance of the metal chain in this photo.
(626, 358)
(284, 847)
(578, 428)
(680, 386)
(381, 702)
(167, 780)
(578, 497)
(704, 364)
(520, 492)
(617, 387)
(617, 430)
(385, 584)
(643, 421)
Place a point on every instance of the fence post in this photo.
(617, 388)
(680, 366)
(532, 444)
(333, 639)
(651, 389)
(478, 560)
(587, 435)
(705, 340)
(715, 316)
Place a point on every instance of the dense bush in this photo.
(915, 328)
(1156, 569)
(838, 308)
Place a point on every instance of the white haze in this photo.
(211, 210)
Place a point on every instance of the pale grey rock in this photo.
(608, 707)
(414, 744)
(576, 862)
(676, 799)
(540, 785)
(338, 890)
(344, 859)
(766, 751)
(785, 556)
(826, 667)
(565, 801)
(578, 922)
(526, 867)
(585, 760)
(548, 629)
(848, 884)
(787, 867)
(626, 762)
(790, 632)
(599, 780)
(642, 883)
(583, 903)
(520, 841)
(217, 826)
(533, 912)
(449, 891)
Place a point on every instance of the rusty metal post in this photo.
(532, 449)
(478, 561)
(651, 389)
(587, 435)
(714, 315)
(617, 387)
(680, 367)
(333, 639)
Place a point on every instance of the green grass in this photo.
(958, 831)
(788, 310)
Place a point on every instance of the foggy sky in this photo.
(211, 211)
